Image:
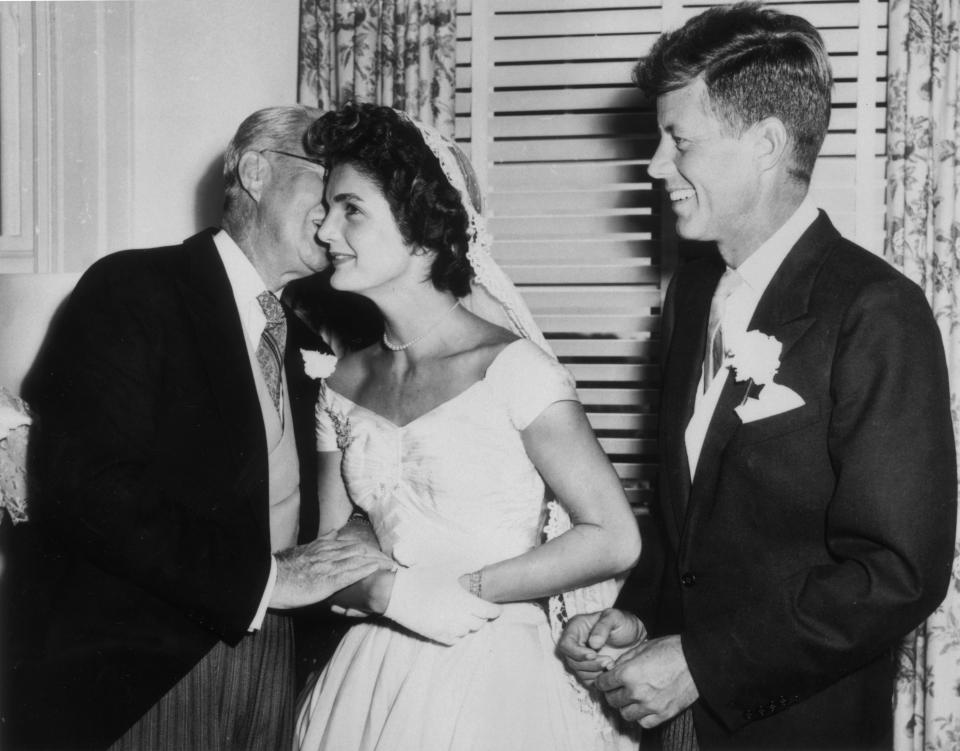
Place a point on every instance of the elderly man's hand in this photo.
(590, 643)
(309, 573)
(650, 683)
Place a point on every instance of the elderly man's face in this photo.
(710, 174)
(290, 211)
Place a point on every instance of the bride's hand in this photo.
(430, 601)
(591, 643)
(359, 530)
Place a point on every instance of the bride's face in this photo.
(366, 249)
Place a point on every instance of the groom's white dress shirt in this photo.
(756, 273)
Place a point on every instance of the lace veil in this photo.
(494, 298)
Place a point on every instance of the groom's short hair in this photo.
(756, 63)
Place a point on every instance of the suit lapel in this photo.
(682, 377)
(723, 424)
(303, 392)
(782, 312)
(222, 349)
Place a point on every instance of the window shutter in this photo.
(561, 142)
(66, 133)
(16, 138)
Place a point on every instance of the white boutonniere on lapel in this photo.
(318, 365)
(755, 357)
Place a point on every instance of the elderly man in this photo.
(808, 470)
(175, 445)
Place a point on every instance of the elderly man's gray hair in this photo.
(282, 127)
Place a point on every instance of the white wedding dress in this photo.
(452, 487)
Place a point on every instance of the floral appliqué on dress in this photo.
(320, 366)
(341, 423)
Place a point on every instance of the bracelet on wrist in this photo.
(358, 516)
(476, 583)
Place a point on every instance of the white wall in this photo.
(199, 67)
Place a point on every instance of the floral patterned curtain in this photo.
(923, 240)
(396, 52)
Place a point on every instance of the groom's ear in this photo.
(252, 170)
(772, 142)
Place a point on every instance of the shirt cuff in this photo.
(257, 621)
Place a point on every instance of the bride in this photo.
(452, 434)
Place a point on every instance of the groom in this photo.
(808, 472)
(176, 451)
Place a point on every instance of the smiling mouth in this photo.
(336, 258)
(681, 195)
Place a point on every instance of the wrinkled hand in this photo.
(309, 573)
(591, 643)
(360, 531)
(430, 601)
(650, 683)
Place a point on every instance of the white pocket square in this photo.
(774, 400)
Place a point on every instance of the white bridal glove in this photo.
(430, 601)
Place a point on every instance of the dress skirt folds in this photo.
(454, 487)
(499, 688)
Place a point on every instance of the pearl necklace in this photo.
(400, 347)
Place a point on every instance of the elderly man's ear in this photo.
(253, 170)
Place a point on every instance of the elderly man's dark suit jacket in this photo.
(154, 508)
(808, 542)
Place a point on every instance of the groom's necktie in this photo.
(273, 340)
(713, 356)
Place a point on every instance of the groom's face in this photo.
(708, 169)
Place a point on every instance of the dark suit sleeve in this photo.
(667, 320)
(888, 475)
(644, 593)
(649, 591)
(112, 467)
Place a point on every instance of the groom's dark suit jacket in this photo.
(809, 542)
(153, 514)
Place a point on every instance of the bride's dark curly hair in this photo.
(388, 149)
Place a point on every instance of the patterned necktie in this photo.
(713, 357)
(273, 340)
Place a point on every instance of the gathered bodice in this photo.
(455, 485)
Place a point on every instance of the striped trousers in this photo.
(679, 733)
(235, 699)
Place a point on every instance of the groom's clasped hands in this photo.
(647, 681)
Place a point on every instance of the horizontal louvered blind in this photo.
(565, 140)
(561, 140)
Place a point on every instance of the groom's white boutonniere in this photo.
(318, 365)
(755, 357)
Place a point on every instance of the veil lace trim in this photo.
(494, 297)
(488, 276)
